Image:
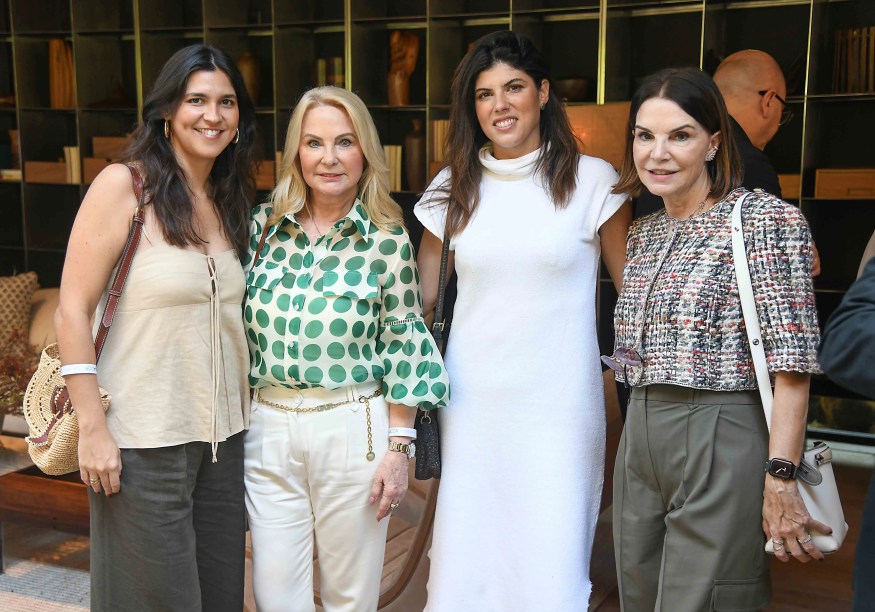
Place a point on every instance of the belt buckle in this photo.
(299, 397)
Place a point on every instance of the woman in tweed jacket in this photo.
(692, 505)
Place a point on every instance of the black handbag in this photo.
(428, 440)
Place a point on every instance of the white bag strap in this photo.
(749, 310)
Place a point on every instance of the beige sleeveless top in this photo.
(176, 359)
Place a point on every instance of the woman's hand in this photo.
(390, 483)
(787, 522)
(785, 517)
(100, 462)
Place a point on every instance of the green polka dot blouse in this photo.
(341, 311)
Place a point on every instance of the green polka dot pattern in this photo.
(342, 309)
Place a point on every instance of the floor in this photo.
(48, 570)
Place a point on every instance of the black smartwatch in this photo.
(781, 468)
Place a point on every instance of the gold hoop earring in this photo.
(236, 137)
(166, 130)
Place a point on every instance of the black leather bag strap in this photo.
(437, 328)
(121, 276)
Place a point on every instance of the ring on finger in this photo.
(394, 505)
(778, 544)
(806, 540)
(94, 480)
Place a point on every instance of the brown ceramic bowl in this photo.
(571, 90)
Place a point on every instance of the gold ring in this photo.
(94, 480)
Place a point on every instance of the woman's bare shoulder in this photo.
(112, 192)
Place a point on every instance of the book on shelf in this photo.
(10, 174)
(871, 60)
(439, 129)
(854, 60)
(74, 165)
(393, 161)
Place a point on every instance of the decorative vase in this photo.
(399, 89)
(414, 157)
(250, 70)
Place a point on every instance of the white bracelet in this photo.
(405, 432)
(78, 368)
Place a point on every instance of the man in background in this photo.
(755, 93)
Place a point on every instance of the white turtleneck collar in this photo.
(519, 167)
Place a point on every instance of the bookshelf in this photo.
(609, 45)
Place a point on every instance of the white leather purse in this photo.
(815, 476)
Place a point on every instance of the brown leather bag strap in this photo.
(118, 283)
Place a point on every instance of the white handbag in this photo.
(817, 483)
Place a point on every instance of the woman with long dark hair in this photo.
(164, 465)
(523, 436)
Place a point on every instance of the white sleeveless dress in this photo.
(523, 438)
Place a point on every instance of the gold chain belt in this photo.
(362, 399)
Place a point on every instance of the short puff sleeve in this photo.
(780, 256)
(431, 210)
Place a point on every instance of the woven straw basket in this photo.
(53, 443)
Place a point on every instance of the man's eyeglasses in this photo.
(786, 111)
(623, 359)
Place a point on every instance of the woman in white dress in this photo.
(523, 435)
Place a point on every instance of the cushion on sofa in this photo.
(16, 293)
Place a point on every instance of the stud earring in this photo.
(236, 137)
(166, 130)
(711, 154)
(543, 104)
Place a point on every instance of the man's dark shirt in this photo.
(758, 173)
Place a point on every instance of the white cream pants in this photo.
(307, 484)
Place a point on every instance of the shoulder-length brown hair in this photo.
(557, 164)
(291, 191)
(698, 96)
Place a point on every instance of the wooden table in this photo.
(29, 496)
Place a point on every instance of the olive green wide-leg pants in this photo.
(688, 494)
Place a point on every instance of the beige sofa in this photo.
(42, 332)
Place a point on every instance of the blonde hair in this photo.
(291, 192)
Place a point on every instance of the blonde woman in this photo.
(340, 360)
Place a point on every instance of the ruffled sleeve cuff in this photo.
(414, 373)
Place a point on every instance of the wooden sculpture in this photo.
(405, 48)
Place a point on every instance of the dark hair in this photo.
(232, 176)
(557, 164)
(698, 96)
